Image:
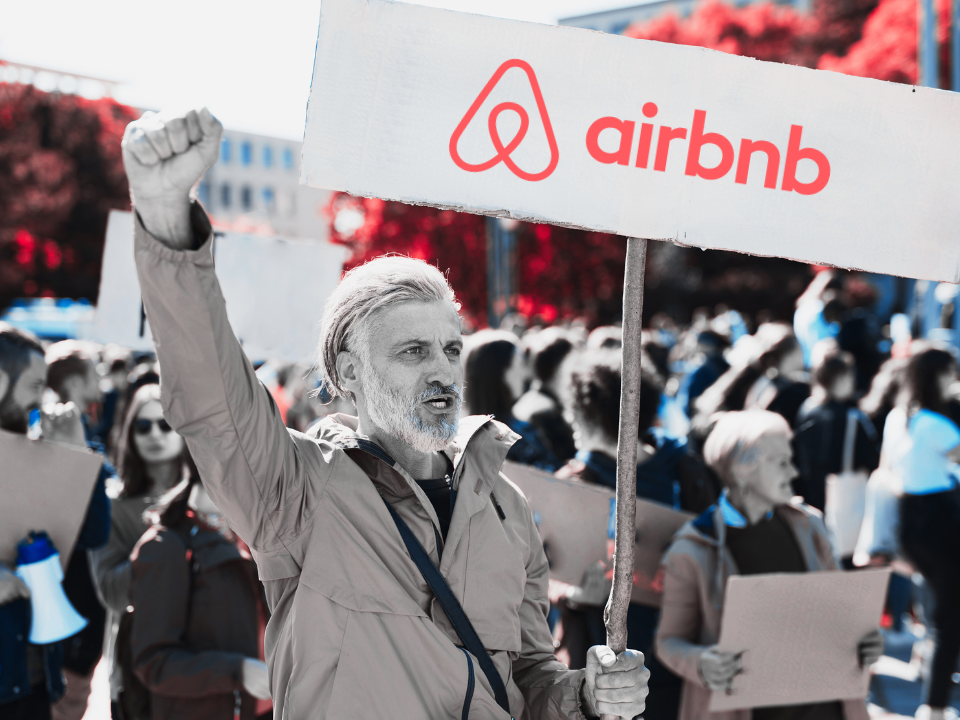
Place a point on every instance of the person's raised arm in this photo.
(211, 395)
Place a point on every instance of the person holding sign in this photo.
(755, 527)
(344, 522)
(31, 676)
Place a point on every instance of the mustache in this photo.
(436, 389)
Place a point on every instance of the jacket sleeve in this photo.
(161, 598)
(211, 396)
(550, 689)
(680, 619)
(110, 566)
(95, 530)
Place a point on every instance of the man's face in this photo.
(23, 396)
(410, 381)
(770, 474)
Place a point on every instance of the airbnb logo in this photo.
(505, 150)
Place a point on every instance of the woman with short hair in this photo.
(756, 527)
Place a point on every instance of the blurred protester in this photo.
(198, 614)
(783, 387)
(114, 367)
(32, 676)
(708, 366)
(495, 375)
(607, 337)
(860, 331)
(884, 389)
(541, 405)
(145, 372)
(829, 423)
(666, 473)
(152, 459)
(72, 375)
(813, 320)
(925, 457)
(756, 527)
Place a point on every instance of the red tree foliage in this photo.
(60, 175)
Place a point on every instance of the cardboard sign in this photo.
(639, 138)
(45, 487)
(574, 517)
(274, 287)
(799, 635)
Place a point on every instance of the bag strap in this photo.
(458, 618)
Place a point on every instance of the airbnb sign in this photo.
(637, 138)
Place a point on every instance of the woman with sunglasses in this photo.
(151, 459)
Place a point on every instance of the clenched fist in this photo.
(63, 423)
(164, 158)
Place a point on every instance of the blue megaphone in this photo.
(38, 565)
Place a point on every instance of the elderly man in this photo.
(379, 607)
(756, 527)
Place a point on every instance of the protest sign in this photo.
(799, 635)
(574, 518)
(274, 287)
(44, 487)
(640, 138)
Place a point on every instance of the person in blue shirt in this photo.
(925, 458)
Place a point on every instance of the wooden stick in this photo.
(615, 615)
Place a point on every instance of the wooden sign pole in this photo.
(615, 615)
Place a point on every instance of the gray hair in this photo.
(734, 438)
(381, 283)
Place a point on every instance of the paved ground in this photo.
(896, 690)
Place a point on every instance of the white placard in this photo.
(274, 287)
(408, 102)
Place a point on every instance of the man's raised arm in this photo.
(210, 393)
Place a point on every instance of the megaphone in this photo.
(38, 565)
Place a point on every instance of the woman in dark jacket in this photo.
(196, 635)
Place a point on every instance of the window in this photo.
(246, 197)
(287, 159)
(203, 193)
(225, 150)
(267, 156)
(268, 199)
(226, 195)
(246, 153)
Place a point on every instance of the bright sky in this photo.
(249, 62)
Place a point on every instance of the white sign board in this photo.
(639, 138)
(274, 287)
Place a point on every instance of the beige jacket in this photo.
(697, 566)
(355, 631)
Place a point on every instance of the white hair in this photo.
(733, 440)
(365, 290)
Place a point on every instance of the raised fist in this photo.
(63, 423)
(164, 158)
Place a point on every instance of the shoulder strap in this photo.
(453, 609)
(849, 439)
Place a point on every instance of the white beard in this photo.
(396, 414)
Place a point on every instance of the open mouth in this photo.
(440, 402)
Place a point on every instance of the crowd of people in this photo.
(268, 545)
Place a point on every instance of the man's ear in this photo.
(348, 368)
(4, 384)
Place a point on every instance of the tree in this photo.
(60, 175)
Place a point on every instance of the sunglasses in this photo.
(144, 426)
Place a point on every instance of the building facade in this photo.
(254, 187)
